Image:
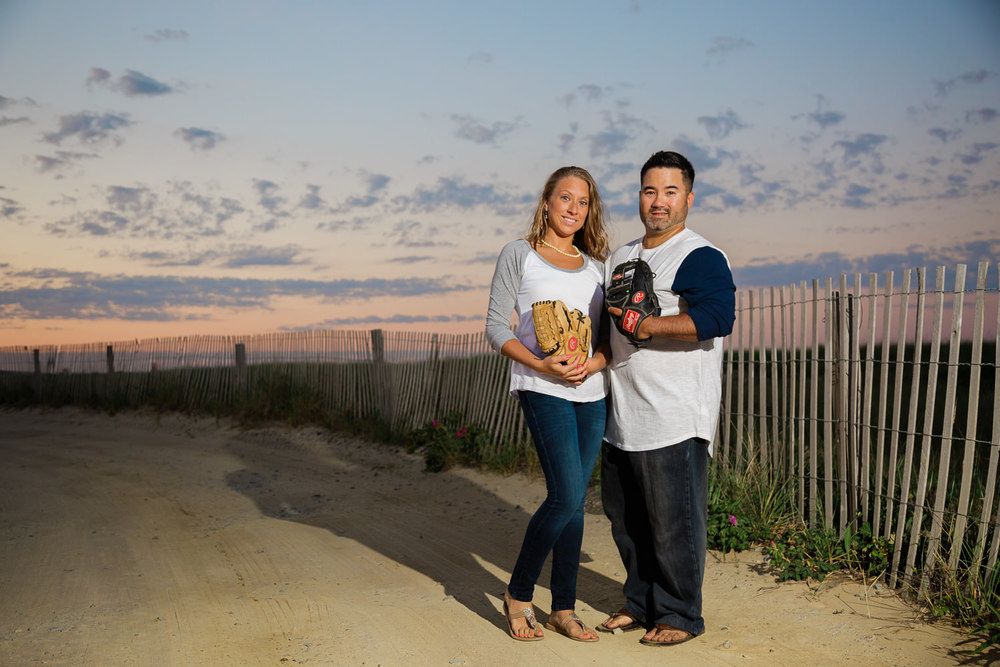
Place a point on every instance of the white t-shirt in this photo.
(523, 277)
(670, 390)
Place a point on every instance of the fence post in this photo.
(111, 361)
(38, 374)
(382, 377)
(241, 364)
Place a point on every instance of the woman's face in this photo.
(568, 206)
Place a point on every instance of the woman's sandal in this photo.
(628, 627)
(529, 616)
(564, 625)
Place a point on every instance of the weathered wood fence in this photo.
(878, 399)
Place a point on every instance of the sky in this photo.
(224, 167)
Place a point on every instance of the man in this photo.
(665, 400)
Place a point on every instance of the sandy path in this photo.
(137, 540)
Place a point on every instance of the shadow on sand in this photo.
(439, 524)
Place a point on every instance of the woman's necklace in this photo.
(561, 252)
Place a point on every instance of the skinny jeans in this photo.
(567, 437)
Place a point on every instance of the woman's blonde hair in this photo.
(591, 239)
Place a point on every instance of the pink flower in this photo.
(732, 519)
(461, 432)
(434, 423)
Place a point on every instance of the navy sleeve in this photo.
(706, 284)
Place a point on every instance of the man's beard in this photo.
(671, 220)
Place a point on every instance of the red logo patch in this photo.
(630, 320)
(639, 296)
(572, 344)
(617, 276)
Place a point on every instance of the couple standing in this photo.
(659, 422)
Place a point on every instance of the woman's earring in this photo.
(545, 215)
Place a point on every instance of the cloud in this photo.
(765, 273)
(268, 197)
(944, 135)
(470, 129)
(986, 115)
(863, 146)
(943, 88)
(234, 256)
(619, 130)
(451, 192)
(199, 139)
(6, 102)
(130, 84)
(6, 120)
(167, 35)
(975, 156)
(719, 127)
(241, 256)
(178, 213)
(89, 128)
(855, 195)
(61, 161)
(379, 319)
(722, 47)
(481, 58)
(826, 119)
(311, 199)
(416, 234)
(9, 208)
(588, 92)
(410, 259)
(55, 294)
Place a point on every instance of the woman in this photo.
(562, 398)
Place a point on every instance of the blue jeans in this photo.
(567, 438)
(657, 504)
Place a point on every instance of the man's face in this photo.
(664, 200)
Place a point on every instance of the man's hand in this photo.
(642, 332)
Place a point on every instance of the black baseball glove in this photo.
(631, 289)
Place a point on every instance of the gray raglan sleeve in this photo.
(503, 293)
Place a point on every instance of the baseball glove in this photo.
(561, 331)
(631, 289)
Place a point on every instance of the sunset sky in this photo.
(220, 166)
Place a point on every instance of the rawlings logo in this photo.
(617, 276)
(639, 296)
(630, 320)
(572, 344)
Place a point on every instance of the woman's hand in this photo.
(566, 367)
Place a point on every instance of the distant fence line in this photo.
(880, 404)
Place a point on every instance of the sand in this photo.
(139, 539)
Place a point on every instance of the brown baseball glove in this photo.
(561, 331)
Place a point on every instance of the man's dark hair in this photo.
(670, 160)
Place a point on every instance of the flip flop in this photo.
(671, 642)
(588, 636)
(529, 616)
(634, 625)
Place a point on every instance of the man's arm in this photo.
(705, 282)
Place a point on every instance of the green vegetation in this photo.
(749, 509)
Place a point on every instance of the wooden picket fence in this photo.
(877, 400)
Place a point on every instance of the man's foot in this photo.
(620, 620)
(567, 623)
(665, 635)
(521, 623)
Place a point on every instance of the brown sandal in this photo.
(562, 628)
(659, 627)
(634, 623)
(529, 616)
